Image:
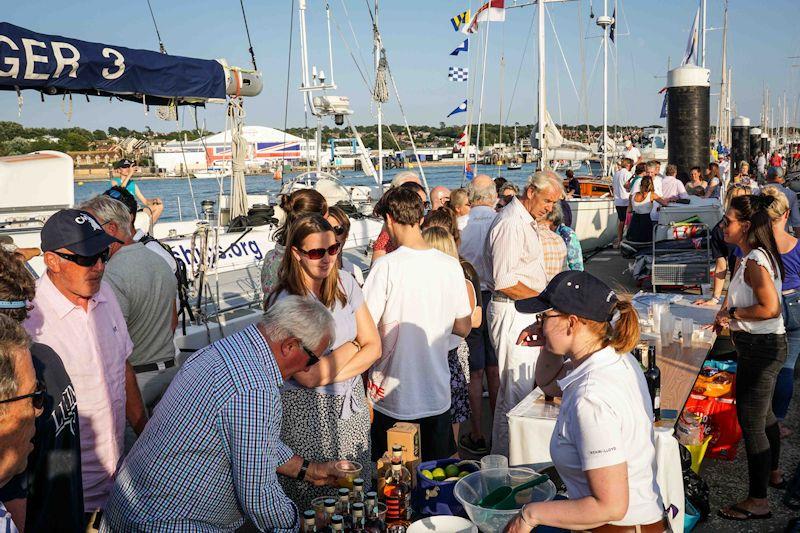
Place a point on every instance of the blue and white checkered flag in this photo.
(458, 73)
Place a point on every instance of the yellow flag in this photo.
(460, 20)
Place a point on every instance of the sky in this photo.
(418, 38)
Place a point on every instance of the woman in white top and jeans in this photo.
(752, 310)
(603, 443)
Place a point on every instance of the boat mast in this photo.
(703, 34)
(604, 22)
(543, 164)
(377, 44)
(723, 120)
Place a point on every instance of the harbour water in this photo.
(184, 192)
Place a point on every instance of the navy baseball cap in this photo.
(573, 292)
(77, 231)
(125, 163)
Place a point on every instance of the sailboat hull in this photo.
(595, 221)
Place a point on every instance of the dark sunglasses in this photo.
(37, 396)
(312, 357)
(338, 230)
(319, 253)
(86, 260)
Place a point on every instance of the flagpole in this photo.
(542, 97)
(480, 105)
(468, 124)
(380, 104)
(604, 22)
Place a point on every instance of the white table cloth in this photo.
(531, 425)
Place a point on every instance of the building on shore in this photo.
(266, 148)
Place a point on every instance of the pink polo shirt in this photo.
(94, 346)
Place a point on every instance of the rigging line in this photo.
(286, 98)
(353, 32)
(249, 41)
(158, 34)
(596, 58)
(352, 55)
(480, 103)
(186, 165)
(564, 57)
(521, 62)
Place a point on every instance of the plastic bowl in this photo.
(451, 524)
(346, 472)
(471, 488)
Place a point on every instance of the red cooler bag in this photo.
(725, 430)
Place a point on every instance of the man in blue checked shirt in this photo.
(210, 456)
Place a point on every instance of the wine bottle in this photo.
(653, 377)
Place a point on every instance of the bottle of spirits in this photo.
(330, 509)
(373, 524)
(309, 521)
(357, 496)
(343, 507)
(358, 518)
(337, 523)
(653, 377)
(397, 493)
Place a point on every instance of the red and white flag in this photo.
(461, 142)
(491, 11)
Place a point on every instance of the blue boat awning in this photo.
(56, 65)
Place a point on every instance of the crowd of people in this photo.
(480, 284)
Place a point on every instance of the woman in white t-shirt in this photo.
(752, 311)
(603, 445)
(325, 414)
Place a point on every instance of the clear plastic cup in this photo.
(496, 467)
(667, 329)
(687, 329)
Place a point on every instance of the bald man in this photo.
(482, 358)
(440, 197)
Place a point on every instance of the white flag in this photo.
(690, 56)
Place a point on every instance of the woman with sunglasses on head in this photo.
(294, 205)
(34, 497)
(790, 302)
(603, 445)
(752, 311)
(341, 227)
(324, 410)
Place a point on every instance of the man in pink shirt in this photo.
(77, 314)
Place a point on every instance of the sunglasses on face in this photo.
(338, 230)
(37, 397)
(541, 317)
(319, 253)
(312, 357)
(86, 260)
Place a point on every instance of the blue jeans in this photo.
(784, 386)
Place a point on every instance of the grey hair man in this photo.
(211, 455)
(482, 358)
(20, 401)
(517, 272)
(404, 177)
(145, 288)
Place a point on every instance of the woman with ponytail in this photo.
(752, 311)
(603, 444)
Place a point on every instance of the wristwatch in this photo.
(732, 311)
(301, 475)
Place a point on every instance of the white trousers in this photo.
(516, 365)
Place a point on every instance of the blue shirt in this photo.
(208, 457)
(130, 187)
(574, 252)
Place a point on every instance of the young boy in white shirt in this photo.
(417, 297)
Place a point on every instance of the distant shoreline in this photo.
(81, 175)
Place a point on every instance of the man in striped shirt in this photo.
(210, 456)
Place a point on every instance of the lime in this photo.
(438, 474)
(451, 471)
(427, 474)
(463, 473)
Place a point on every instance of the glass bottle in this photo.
(373, 523)
(397, 492)
(343, 507)
(358, 518)
(309, 521)
(337, 523)
(357, 496)
(330, 510)
(653, 377)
